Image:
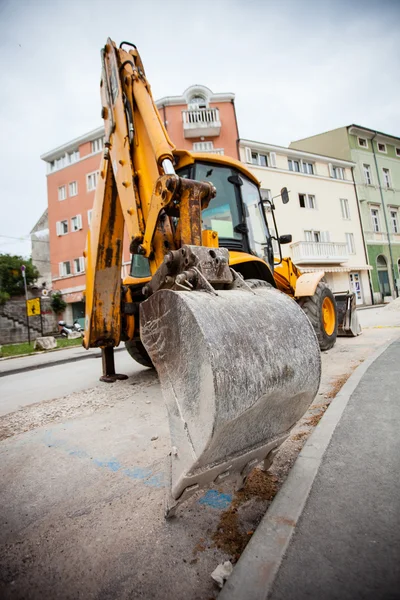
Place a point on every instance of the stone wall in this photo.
(13, 325)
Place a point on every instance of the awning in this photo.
(329, 269)
(73, 297)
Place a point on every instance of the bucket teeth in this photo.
(237, 371)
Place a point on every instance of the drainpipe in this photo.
(384, 214)
(237, 131)
(165, 117)
(363, 237)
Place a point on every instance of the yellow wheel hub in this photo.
(328, 316)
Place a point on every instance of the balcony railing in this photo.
(201, 122)
(319, 252)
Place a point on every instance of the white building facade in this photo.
(322, 214)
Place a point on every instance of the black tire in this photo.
(312, 306)
(139, 353)
(257, 283)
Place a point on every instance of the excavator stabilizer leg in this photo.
(237, 369)
(348, 324)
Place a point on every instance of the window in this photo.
(259, 159)
(197, 101)
(76, 223)
(92, 179)
(367, 174)
(350, 243)
(344, 204)
(294, 165)
(59, 163)
(79, 265)
(382, 147)
(362, 142)
(203, 146)
(312, 236)
(62, 227)
(73, 156)
(65, 268)
(62, 192)
(338, 172)
(375, 220)
(73, 188)
(97, 145)
(307, 201)
(386, 178)
(89, 216)
(308, 168)
(398, 152)
(394, 219)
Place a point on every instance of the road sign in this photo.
(33, 307)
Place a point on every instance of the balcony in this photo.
(201, 122)
(319, 252)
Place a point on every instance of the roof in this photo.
(73, 144)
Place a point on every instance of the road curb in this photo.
(255, 572)
(54, 363)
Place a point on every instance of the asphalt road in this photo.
(55, 381)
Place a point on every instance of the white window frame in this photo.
(291, 161)
(387, 178)
(73, 157)
(397, 151)
(375, 219)
(394, 217)
(80, 262)
(345, 208)
(364, 140)
(338, 170)
(63, 270)
(316, 236)
(60, 227)
(367, 174)
(88, 176)
(71, 186)
(97, 145)
(62, 193)
(351, 249)
(307, 201)
(76, 223)
(305, 167)
(89, 216)
(381, 144)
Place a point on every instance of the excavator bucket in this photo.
(237, 370)
(348, 325)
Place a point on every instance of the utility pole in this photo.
(26, 302)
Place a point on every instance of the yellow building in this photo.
(322, 214)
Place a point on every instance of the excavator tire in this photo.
(258, 283)
(139, 353)
(322, 312)
(237, 368)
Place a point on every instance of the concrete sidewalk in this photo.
(333, 530)
(10, 366)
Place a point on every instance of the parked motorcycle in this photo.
(65, 329)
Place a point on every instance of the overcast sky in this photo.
(297, 67)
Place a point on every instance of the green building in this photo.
(377, 179)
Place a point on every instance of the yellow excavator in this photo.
(237, 358)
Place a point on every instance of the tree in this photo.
(58, 305)
(11, 280)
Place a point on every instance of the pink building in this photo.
(199, 120)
